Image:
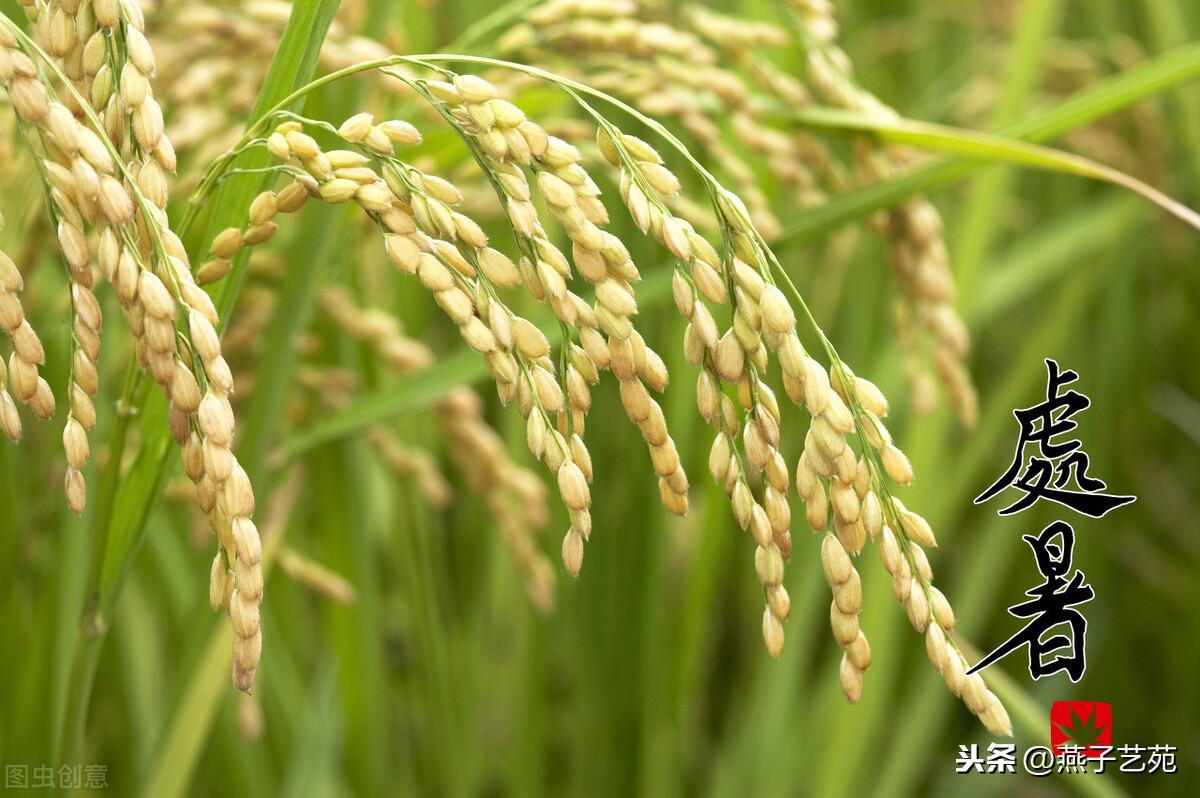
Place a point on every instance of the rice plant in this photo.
(421, 328)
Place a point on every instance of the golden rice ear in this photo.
(703, 41)
(764, 322)
(509, 140)
(147, 265)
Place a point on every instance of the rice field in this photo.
(568, 397)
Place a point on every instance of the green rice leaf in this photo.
(1163, 72)
(986, 147)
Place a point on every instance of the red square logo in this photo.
(1087, 724)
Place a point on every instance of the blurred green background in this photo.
(649, 676)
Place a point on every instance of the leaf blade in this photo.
(1163, 72)
(989, 147)
(294, 64)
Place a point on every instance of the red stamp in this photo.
(1087, 724)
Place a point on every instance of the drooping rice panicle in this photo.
(913, 230)
(124, 200)
(508, 141)
(21, 373)
(447, 251)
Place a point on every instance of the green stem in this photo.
(127, 405)
(501, 17)
(83, 676)
(93, 625)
